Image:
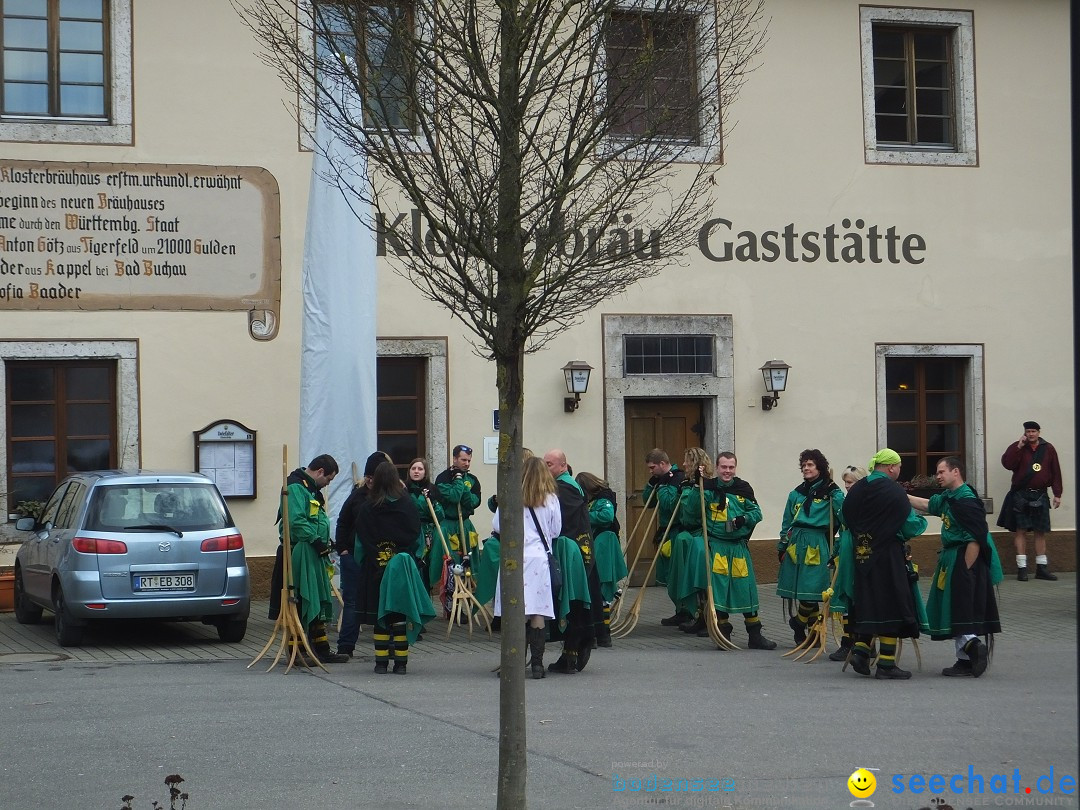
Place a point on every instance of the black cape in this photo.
(383, 530)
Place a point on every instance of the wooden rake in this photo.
(288, 620)
(464, 599)
(629, 622)
(616, 614)
(708, 609)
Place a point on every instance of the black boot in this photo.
(496, 623)
(381, 667)
(1021, 574)
(979, 656)
(680, 617)
(584, 653)
(961, 668)
(567, 663)
(603, 635)
(860, 662)
(327, 656)
(400, 667)
(799, 628)
(842, 653)
(535, 638)
(695, 626)
(1042, 572)
(892, 673)
(758, 641)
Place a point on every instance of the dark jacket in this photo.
(383, 530)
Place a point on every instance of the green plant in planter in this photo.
(29, 509)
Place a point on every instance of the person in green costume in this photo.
(731, 513)
(665, 481)
(961, 604)
(843, 586)
(607, 548)
(459, 493)
(428, 551)
(394, 598)
(812, 516)
(309, 536)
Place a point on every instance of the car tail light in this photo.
(96, 605)
(93, 545)
(228, 542)
(229, 602)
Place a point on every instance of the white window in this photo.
(66, 71)
(918, 69)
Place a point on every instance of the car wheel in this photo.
(68, 634)
(232, 631)
(26, 612)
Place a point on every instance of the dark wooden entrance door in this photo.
(672, 425)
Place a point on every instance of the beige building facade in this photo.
(920, 292)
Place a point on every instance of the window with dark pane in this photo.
(914, 103)
(924, 411)
(652, 80)
(401, 409)
(55, 59)
(376, 36)
(668, 354)
(61, 418)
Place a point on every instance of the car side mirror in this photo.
(25, 524)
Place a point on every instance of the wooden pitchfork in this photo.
(617, 613)
(634, 614)
(288, 620)
(464, 599)
(708, 609)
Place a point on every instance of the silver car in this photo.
(127, 545)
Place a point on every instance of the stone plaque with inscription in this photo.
(101, 236)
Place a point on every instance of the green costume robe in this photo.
(402, 591)
(729, 563)
(607, 548)
(844, 586)
(459, 498)
(666, 503)
(309, 527)
(428, 545)
(961, 600)
(812, 510)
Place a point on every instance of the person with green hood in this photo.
(607, 548)
(394, 598)
(961, 604)
(309, 536)
(881, 520)
(812, 516)
(664, 482)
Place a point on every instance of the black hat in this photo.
(373, 461)
(1032, 426)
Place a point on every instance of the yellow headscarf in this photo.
(883, 456)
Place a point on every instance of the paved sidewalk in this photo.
(118, 714)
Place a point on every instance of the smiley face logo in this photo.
(862, 784)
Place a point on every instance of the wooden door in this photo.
(672, 425)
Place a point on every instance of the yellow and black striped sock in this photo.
(751, 618)
(862, 648)
(607, 614)
(808, 612)
(401, 643)
(886, 651)
(382, 644)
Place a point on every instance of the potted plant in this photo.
(29, 509)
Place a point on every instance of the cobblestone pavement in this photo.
(1038, 609)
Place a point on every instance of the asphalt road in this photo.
(751, 729)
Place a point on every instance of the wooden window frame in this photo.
(926, 459)
(53, 50)
(60, 402)
(911, 88)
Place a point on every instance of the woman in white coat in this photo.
(540, 500)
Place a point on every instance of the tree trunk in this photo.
(512, 754)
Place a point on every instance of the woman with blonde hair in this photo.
(543, 523)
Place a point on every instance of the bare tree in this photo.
(529, 135)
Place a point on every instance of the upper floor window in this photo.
(375, 36)
(66, 70)
(652, 75)
(55, 59)
(918, 86)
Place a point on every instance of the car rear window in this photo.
(134, 507)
